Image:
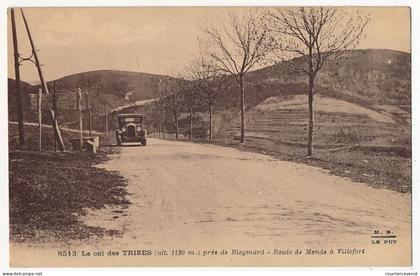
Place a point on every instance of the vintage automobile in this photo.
(130, 129)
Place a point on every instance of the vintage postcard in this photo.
(209, 136)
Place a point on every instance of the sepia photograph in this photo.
(218, 136)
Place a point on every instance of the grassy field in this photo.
(49, 191)
(337, 123)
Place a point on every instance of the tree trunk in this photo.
(176, 127)
(165, 124)
(210, 122)
(164, 131)
(241, 83)
(191, 123)
(311, 115)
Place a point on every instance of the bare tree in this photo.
(158, 116)
(191, 99)
(207, 81)
(237, 47)
(159, 108)
(318, 35)
(171, 96)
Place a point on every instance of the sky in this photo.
(74, 40)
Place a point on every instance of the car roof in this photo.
(130, 115)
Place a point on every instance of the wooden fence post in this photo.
(79, 108)
(53, 118)
(40, 118)
(57, 133)
(90, 109)
(106, 118)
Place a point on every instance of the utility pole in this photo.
(44, 87)
(17, 79)
(35, 55)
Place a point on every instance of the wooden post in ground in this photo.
(17, 78)
(53, 117)
(79, 108)
(58, 140)
(57, 133)
(40, 119)
(106, 118)
(90, 110)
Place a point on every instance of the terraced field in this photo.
(335, 125)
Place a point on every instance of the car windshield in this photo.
(131, 120)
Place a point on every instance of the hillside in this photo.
(139, 86)
(11, 96)
(337, 123)
(375, 79)
(366, 77)
(365, 99)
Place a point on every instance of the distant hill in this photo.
(108, 87)
(366, 77)
(365, 98)
(140, 86)
(369, 78)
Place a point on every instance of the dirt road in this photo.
(197, 197)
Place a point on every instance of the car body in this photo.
(130, 129)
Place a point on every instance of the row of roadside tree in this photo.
(249, 39)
